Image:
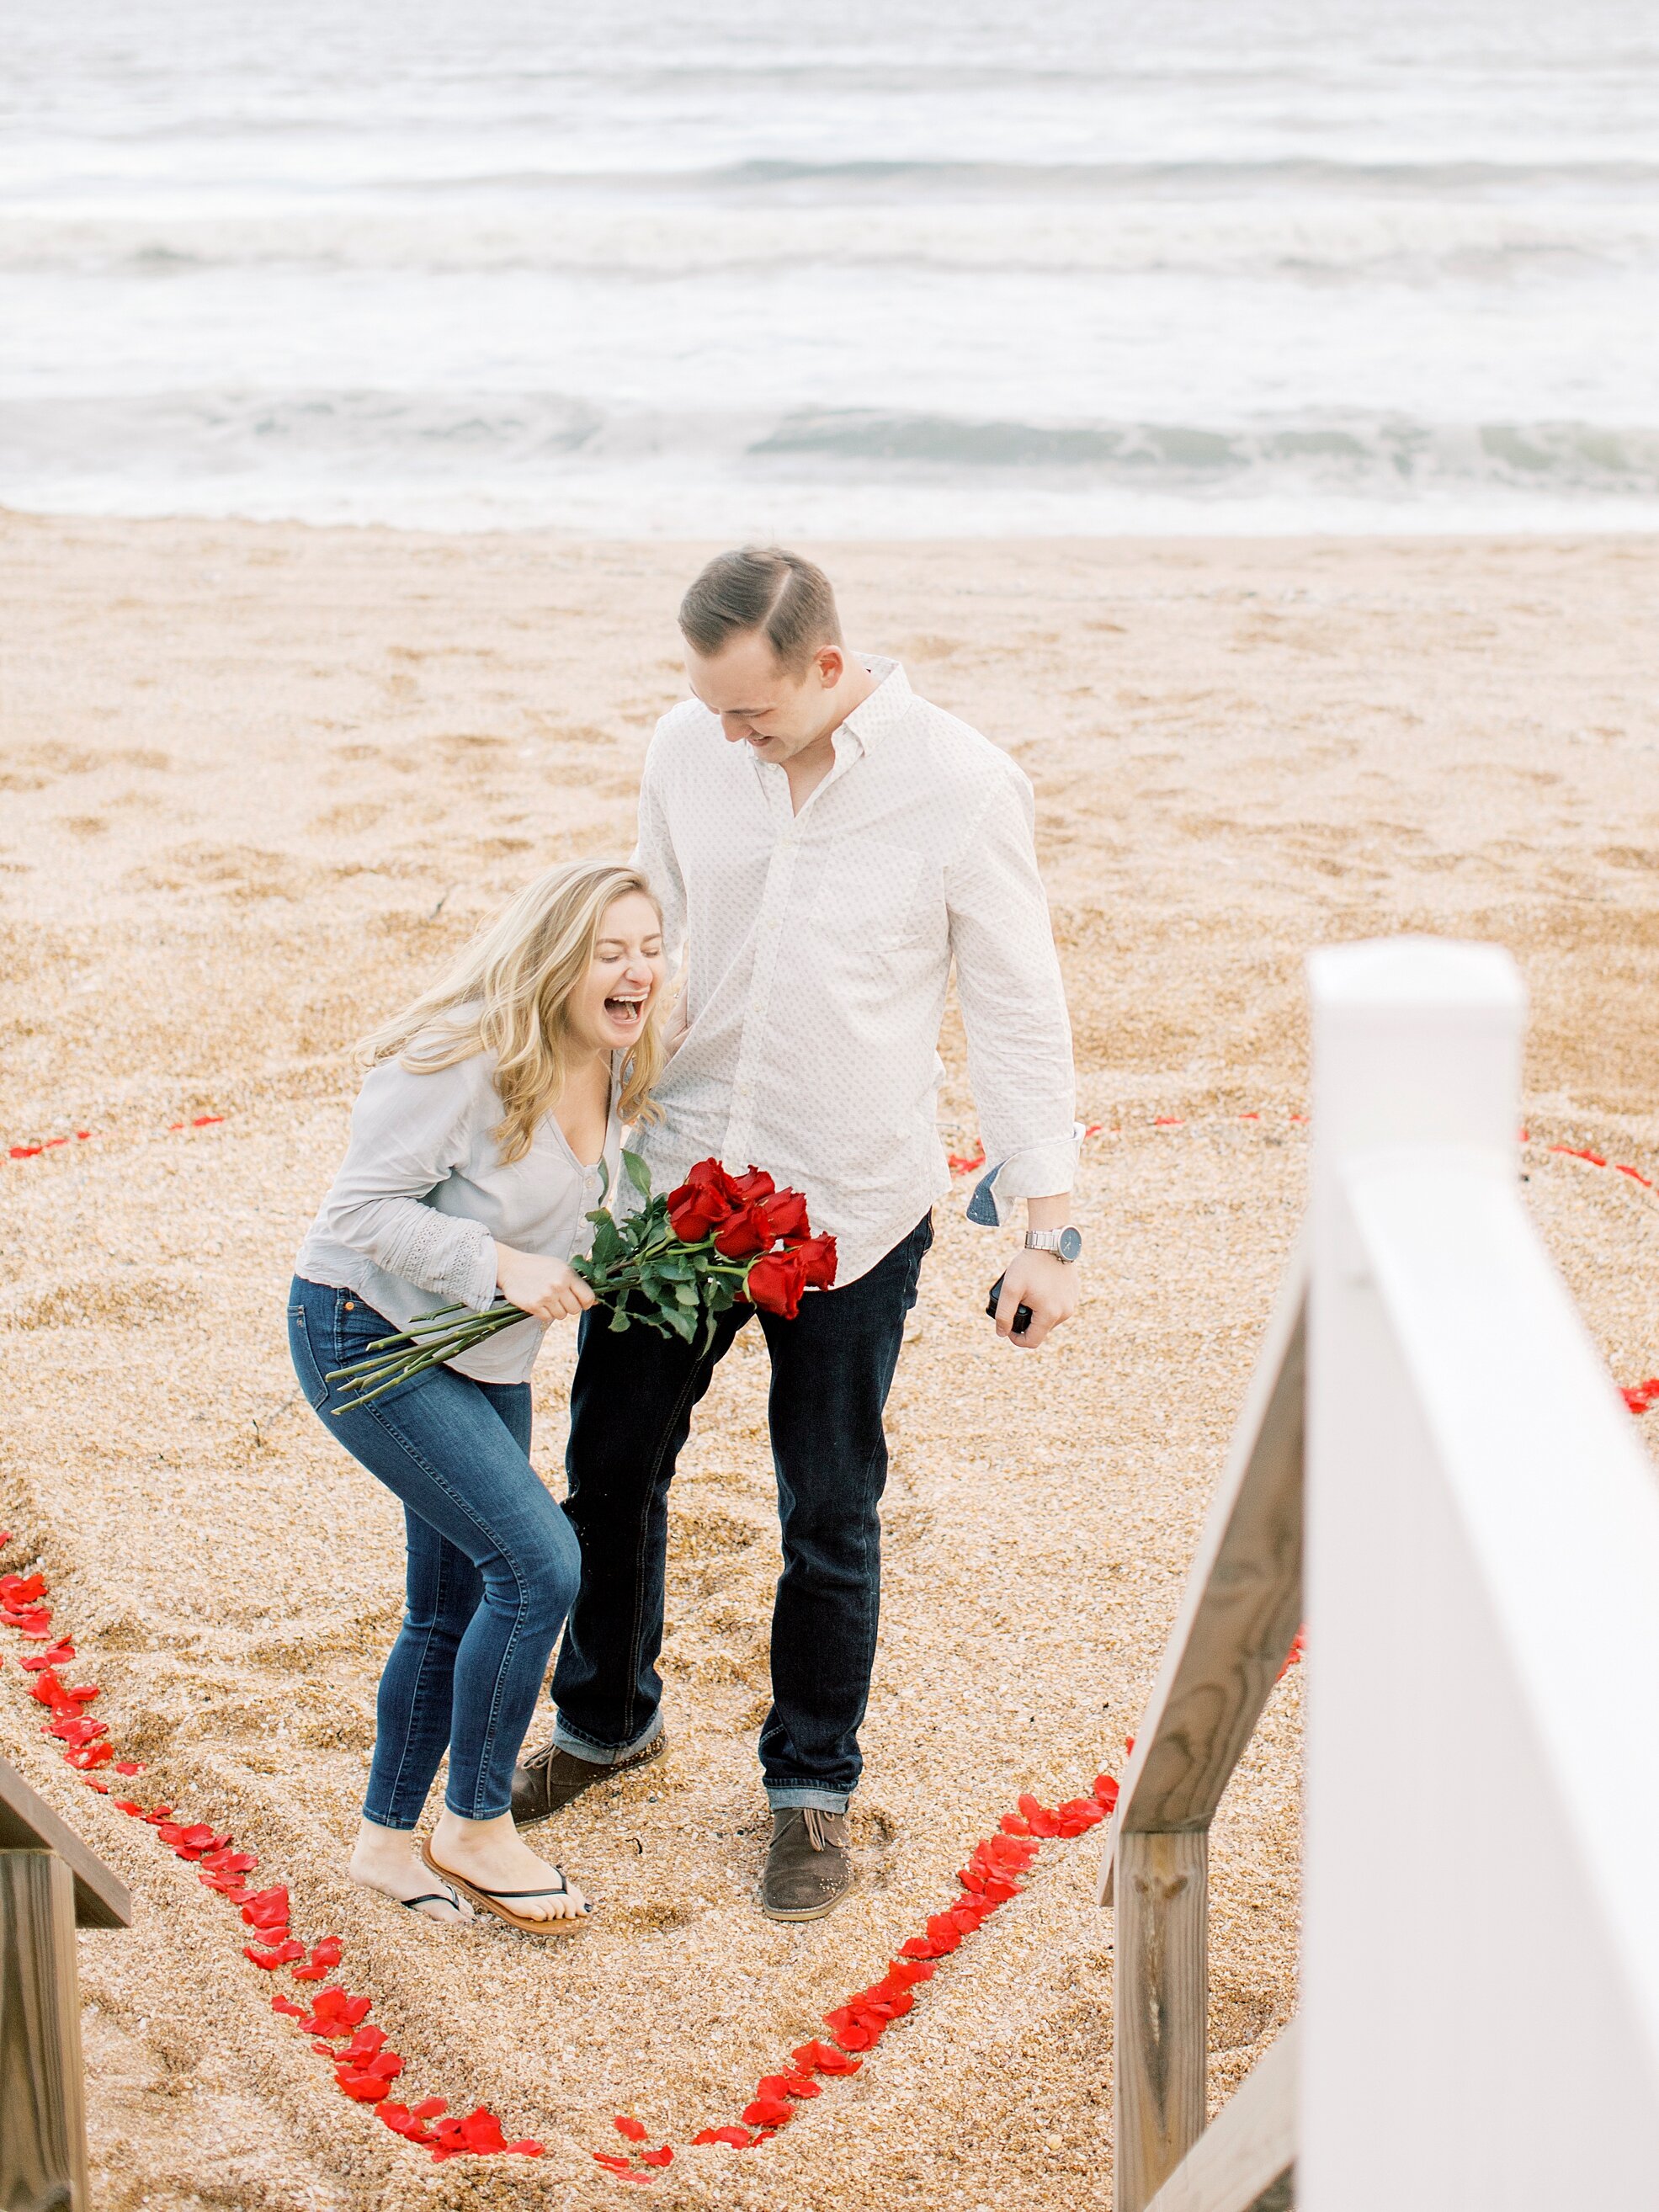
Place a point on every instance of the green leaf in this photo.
(619, 1317)
(685, 1295)
(604, 1178)
(607, 1244)
(634, 1231)
(682, 1323)
(638, 1173)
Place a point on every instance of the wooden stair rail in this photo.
(1238, 1620)
(1247, 2157)
(50, 1885)
(1478, 2009)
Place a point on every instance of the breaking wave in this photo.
(526, 452)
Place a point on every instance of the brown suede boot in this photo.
(809, 1868)
(549, 1779)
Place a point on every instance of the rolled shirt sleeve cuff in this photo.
(1045, 1170)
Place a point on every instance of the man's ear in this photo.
(831, 665)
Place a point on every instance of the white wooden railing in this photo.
(1478, 2026)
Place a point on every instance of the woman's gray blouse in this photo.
(422, 1197)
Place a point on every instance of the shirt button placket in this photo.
(769, 933)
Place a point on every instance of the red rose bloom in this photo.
(817, 1259)
(756, 1185)
(786, 1212)
(707, 1197)
(775, 1282)
(746, 1231)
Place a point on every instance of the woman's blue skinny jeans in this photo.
(493, 1564)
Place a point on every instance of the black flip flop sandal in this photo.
(494, 1900)
(444, 1896)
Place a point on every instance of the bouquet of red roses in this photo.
(675, 1264)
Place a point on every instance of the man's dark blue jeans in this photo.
(630, 1412)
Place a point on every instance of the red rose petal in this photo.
(635, 2131)
(769, 2112)
(364, 2088)
(904, 1973)
(270, 1959)
(401, 2121)
(823, 2058)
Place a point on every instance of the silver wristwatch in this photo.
(1064, 1243)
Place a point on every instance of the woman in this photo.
(483, 1135)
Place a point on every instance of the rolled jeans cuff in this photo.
(603, 1755)
(785, 1797)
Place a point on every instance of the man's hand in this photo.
(1046, 1283)
(544, 1289)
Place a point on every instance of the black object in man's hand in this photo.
(1022, 1313)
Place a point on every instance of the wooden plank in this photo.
(1249, 2148)
(28, 1823)
(1242, 1605)
(1160, 2001)
(43, 2121)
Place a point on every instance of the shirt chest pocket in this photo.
(867, 893)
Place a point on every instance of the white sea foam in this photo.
(680, 267)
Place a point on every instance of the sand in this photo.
(257, 780)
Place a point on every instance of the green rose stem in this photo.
(703, 1283)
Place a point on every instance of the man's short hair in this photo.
(787, 598)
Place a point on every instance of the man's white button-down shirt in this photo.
(818, 948)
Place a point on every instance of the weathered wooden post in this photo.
(50, 1885)
(1242, 1605)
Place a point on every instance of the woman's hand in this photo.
(546, 1289)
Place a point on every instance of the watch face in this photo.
(1071, 1244)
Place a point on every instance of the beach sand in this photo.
(257, 780)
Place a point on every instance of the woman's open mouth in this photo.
(627, 1012)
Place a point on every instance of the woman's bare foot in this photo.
(383, 1859)
(492, 1854)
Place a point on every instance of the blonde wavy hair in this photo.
(508, 993)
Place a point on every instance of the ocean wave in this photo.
(1390, 454)
(1374, 240)
(489, 439)
(1199, 178)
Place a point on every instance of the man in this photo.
(825, 843)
